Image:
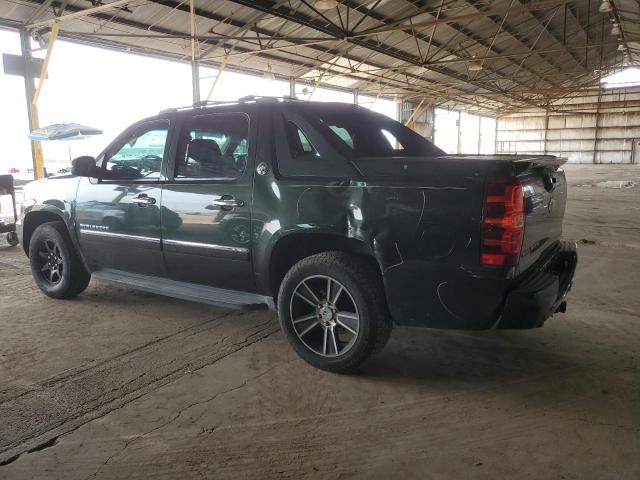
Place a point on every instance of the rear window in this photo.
(368, 134)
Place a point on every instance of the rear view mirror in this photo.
(84, 167)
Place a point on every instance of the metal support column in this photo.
(195, 81)
(32, 111)
(546, 129)
(596, 157)
(356, 92)
(292, 87)
(195, 69)
(459, 124)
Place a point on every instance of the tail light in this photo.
(502, 223)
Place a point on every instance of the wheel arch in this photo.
(35, 218)
(292, 248)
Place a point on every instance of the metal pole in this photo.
(414, 112)
(195, 70)
(546, 129)
(292, 87)
(195, 81)
(458, 123)
(356, 92)
(221, 68)
(45, 64)
(32, 111)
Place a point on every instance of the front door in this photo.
(206, 203)
(118, 214)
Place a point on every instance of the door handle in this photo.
(143, 200)
(227, 202)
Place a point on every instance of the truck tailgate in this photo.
(545, 196)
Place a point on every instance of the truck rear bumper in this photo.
(543, 292)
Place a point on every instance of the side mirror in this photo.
(84, 167)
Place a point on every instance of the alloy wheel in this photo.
(51, 262)
(324, 316)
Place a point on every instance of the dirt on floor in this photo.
(119, 384)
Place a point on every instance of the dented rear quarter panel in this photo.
(422, 231)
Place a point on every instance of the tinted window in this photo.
(367, 134)
(343, 133)
(299, 143)
(138, 155)
(301, 150)
(213, 146)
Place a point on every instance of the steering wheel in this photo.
(125, 171)
(156, 159)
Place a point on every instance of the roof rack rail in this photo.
(267, 98)
(245, 99)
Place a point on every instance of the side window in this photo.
(213, 146)
(393, 141)
(343, 134)
(299, 143)
(138, 155)
(303, 151)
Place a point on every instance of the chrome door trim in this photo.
(210, 246)
(124, 236)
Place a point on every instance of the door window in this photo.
(138, 155)
(213, 146)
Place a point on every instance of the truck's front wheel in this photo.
(332, 310)
(55, 265)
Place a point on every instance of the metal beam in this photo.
(39, 11)
(81, 13)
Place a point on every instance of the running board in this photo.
(192, 292)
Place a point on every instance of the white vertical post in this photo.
(459, 124)
(292, 87)
(195, 70)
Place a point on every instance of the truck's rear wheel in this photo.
(332, 310)
(55, 265)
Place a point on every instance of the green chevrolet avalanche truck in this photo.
(342, 220)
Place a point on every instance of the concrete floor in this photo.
(118, 384)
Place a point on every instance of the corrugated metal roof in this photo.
(529, 53)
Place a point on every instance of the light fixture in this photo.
(605, 7)
(268, 74)
(474, 65)
(615, 30)
(325, 4)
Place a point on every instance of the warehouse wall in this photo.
(600, 127)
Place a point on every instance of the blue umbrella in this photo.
(63, 131)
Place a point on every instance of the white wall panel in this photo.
(600, 133)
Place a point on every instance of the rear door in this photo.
(118, 214)
(206, 203)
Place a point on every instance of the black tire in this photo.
(368, 332)
(51, 250)
(12, 239)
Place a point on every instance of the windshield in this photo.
(368, 134)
